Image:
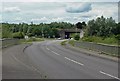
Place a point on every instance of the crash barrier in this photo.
(108, 49)
(9, 42)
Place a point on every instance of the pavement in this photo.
(50, 60)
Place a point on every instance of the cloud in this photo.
(43, 19)
(60, 0)
(11, 9)
(57, 12)
(78, 8)
(58, 19)
(18, 19)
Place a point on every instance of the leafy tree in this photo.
(101, 27)
(18, 35)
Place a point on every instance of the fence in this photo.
(112, 50)
(9, 42)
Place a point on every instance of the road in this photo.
(50, 60)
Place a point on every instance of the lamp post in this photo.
(42, 33)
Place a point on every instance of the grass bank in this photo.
(30, 40)
(100, 40)
(63, 43)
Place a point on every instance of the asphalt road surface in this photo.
(50, 60)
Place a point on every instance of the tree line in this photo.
(101, 26)
(40, 30)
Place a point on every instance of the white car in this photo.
(59, 38)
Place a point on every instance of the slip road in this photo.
(51, 60)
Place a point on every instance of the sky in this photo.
(47, 11)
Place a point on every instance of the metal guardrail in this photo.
(9, 42)
(112, 50)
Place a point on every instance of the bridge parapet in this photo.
(65, 33)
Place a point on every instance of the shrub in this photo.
(77, 37)
(63, 43)
(117, 37)
(18, 35)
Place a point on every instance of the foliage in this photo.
(18, 35)
(117, 37)
(63, 43)
(103, 27)
(71, 42)
(107, 40)
(34, 39)
(80, 25)
(38, 30)
(77, 37)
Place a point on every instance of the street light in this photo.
(42, 33)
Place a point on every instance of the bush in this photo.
(89, 39)
(77, 37)
(34, 39)
(18, 35)
(117, 37)
(107, 40)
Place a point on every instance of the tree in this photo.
(101, 27)
(18, 35)
(79, 25)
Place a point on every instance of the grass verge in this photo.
(71, 42)
(63, 43)
(30, 40)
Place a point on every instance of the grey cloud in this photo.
(85, 7)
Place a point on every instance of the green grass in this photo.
(71, 42)
(30, 40)
(63, 43)
(107, 40)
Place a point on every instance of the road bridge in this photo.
(65, 33)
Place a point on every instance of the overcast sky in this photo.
(51, 11)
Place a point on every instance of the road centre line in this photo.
(52, 51)
(47, 48)
(109, 75)
(74, 61)
(55, 53)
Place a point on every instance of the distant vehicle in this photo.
(59, 38)
(71, 38)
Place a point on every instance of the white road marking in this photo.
(47, 48)
(52, 51)
(55, 53)
(32, 68)
(109, 75)
(74, 61)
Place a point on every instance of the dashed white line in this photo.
(109, 75)
(74, 61)
(47, 48)
(55, 53)
(52, 51)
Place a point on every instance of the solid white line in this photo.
(55, 53)
(32, 68)
(109, 75)
(73, 61)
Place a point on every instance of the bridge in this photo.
(65, 33)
